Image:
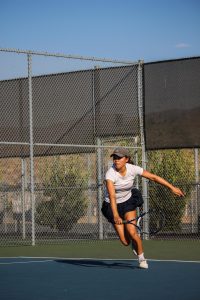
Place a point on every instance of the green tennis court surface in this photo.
(173, 250)
(101, 271)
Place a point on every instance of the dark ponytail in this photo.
(130, 161)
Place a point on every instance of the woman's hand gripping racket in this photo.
(149, 222)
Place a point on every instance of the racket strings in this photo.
(152, 222)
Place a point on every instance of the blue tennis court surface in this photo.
(52, 278)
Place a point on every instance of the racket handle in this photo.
(124, 222)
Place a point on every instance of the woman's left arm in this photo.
(162, 181)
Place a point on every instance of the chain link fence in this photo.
(181, 168)
(68, 192)
(61, 117)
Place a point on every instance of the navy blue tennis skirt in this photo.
(131, 204)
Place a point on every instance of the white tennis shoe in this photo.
(143, 264)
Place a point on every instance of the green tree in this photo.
(176, 166)
(64, 201)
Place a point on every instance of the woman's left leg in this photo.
(132, 232)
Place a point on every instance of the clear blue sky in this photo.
(117, 29)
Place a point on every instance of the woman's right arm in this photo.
(113, 204)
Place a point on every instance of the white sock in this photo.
(141, 257)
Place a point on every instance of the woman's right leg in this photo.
(122, 233)
(131, 230)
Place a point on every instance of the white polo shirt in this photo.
(123, 184)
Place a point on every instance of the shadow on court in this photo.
(94, 279)
(88, 263)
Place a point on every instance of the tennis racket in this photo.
(149, 222)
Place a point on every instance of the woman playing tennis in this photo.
(121, 199)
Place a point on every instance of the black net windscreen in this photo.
(116, 102)
(71, 108)
(172, 104)
(76, 108)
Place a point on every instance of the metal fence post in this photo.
(144, 158)
(99, 187)
(196, 162)
(32, 194)
(196, 158)
(96, 103)
(23, 183)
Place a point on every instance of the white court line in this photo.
(51, 259)
(109, 259)
(175, 260)
(25, 262)
(120, 259)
